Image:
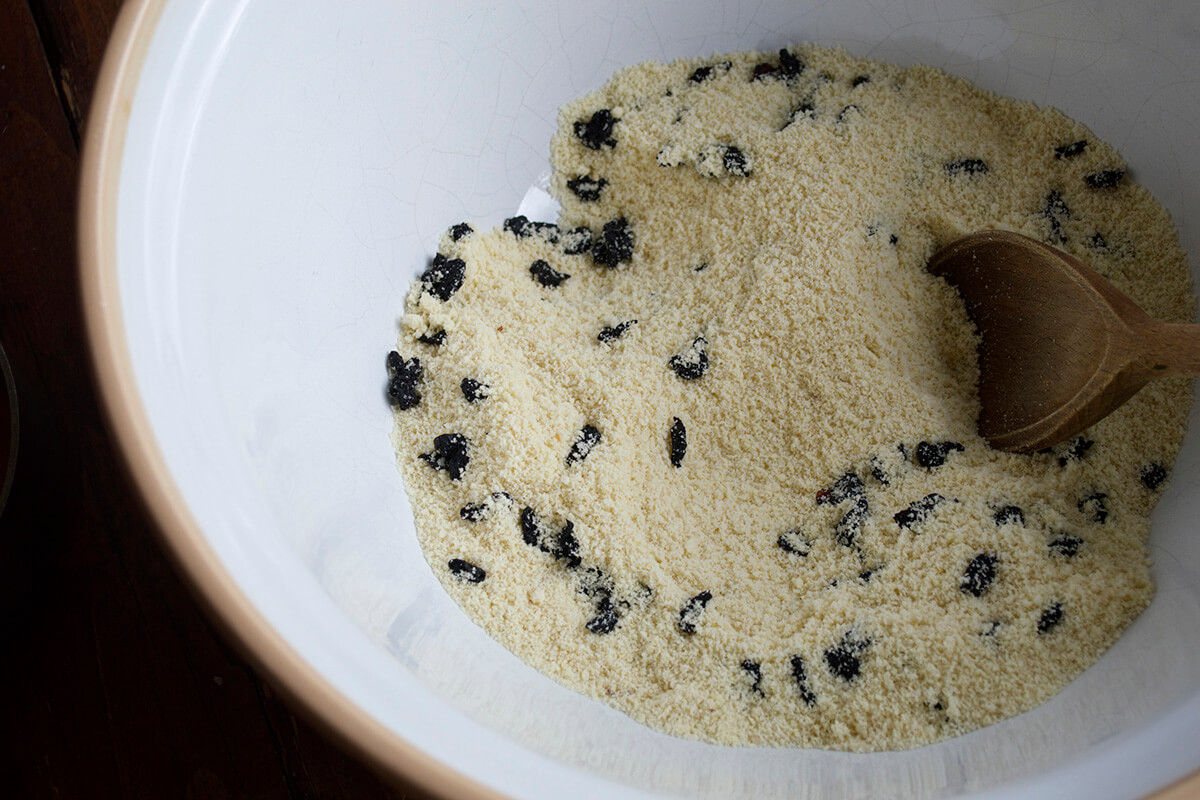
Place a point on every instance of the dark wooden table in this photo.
(115, 684)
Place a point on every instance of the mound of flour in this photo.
(705, 449)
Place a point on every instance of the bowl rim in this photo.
(181, 536)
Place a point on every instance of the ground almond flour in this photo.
(705, 449)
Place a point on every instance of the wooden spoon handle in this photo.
(1171, 349)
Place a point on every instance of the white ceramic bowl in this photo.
(261, 182)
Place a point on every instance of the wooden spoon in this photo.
(1061, 346)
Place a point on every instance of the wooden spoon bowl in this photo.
(1061, 347)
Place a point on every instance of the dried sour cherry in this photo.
(584, 443)
(844, 659)
(518, 226)
(403, 377)
(1105, 178)
(1006, 515)
(1065, 151)
(576, 241)
(545, 274)
(605, 619)
(613, 332)
(615, 243)
(1153, 475)
(567, 546)
(879, 472)
(450, 454)
(444, 276)
(1065, 545)
(693, 609)
(762, 70)
(560, 545)
(979, 574)
(473, 390)
(800, 676)
(1076, 450)
(677, 442)
(966, 166)
(795, 542)
(734, 161)
(477, 512)
(790, 65)
(692, 362)
(848, 487)
(1056, 213)
(546, 230)
(754, 670)
(596, 131)
(846, 529)
(433, 338)
(843, 663)
(474, 512)
(701, 74)
(918, 510)
(587, 189)
(466, 571)
(933, 454)
(1050, 618)
(594, 583)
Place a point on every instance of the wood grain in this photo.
(1060, 346)
(117, 685)
(73, 37)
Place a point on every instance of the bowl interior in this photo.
(287, 171)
